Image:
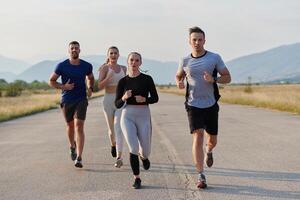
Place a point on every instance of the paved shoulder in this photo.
(257, 157)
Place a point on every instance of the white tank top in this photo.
(116, 76)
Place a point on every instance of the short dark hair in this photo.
(196, 29)
(74, 43)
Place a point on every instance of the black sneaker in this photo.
(201, 184)
(209, 160)
(73, 153)
(78, 162)
(146, 163)
(137, 183)
(113, 151)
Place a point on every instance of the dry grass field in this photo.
(12, 107)
(277, 97)
(29, 103)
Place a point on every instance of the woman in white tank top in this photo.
(109, 75)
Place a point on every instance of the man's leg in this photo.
(198, 155)
(211, 142)
(79, 126)
(68, 112)
(197, 149)
(71, 133)
(211, 122)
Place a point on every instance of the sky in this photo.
(35, 30)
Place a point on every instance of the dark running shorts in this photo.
(203, 118)
(74, 110)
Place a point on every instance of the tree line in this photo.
(15, 88)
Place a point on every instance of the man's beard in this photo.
(75, 55)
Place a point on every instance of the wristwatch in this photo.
(215, 79)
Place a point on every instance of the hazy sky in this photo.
(39, 29)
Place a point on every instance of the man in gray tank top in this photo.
(201, 102)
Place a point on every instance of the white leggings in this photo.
(112, 116)
(137, 129)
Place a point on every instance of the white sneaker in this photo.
(78, 162)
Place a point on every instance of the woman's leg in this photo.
(109, 112)
(118, 132)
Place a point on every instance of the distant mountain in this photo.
(274, 65)
(281, 64)
(12, 65)
(162, 72)
(40, 71)
(8, 76)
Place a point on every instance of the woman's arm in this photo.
(119, 93)
(153, 93)
(104, 76)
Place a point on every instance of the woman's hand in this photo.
(126, 95)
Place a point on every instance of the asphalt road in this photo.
(257, 157)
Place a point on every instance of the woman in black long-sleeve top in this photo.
(136, 90)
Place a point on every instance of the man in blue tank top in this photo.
(73, 73)
(201, 103)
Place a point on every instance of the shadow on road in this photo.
(244, 190)
(238, 173)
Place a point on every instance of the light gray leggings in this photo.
(112, 116)
(137, 129)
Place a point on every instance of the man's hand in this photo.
(140, 99)
(68, 86)
(208, 77)
(180, 84)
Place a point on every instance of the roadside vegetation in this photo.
(277, 97)
(20, 98)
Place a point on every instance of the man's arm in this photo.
(223, 79)
(53, 83)
(180, 75)
(225, 76)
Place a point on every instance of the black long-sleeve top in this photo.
(142, 85)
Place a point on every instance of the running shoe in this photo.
(137, 183)
(146, 163)
(113, 151)
(78, 162)
(119, 162)
(209, 160)
(73, 153)
(201, 184)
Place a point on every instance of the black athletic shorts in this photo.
(74, 110)
(203, 118)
